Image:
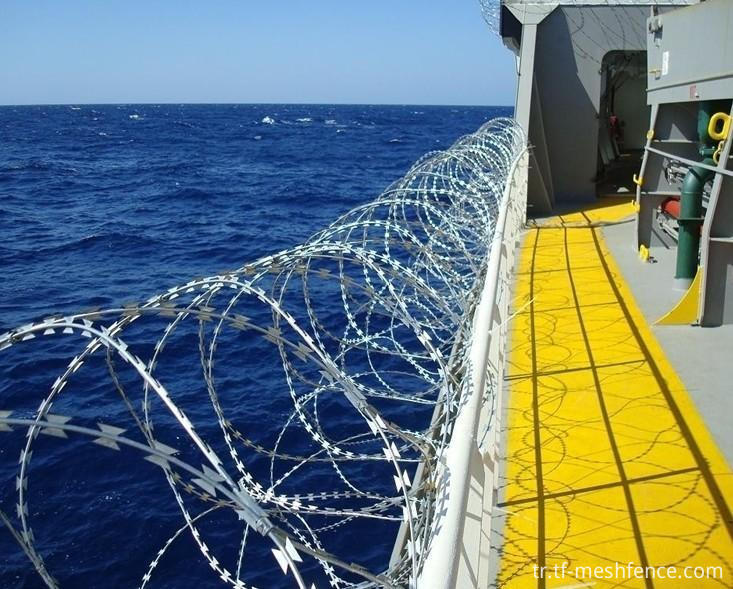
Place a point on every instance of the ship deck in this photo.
(614, 427)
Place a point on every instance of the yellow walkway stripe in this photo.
(607, 459)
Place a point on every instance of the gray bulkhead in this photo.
(560, 49)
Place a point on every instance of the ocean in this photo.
(105, 204)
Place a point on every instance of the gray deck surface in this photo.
(702, 356)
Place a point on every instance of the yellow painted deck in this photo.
(607, 459)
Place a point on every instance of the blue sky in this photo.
(380, 51)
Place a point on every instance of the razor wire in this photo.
(624, 25)
(368, 324)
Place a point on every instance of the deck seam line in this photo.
(624, 483)
(567, 370)
(541, 582)
(601, 487)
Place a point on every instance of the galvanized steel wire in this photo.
(369, 320)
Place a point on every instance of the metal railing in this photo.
(457, 547)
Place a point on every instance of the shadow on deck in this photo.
(607, 459)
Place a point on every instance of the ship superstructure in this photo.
(612, 467)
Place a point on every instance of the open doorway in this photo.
(623, 118)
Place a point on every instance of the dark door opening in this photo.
(623, 121)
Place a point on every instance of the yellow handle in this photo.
(644, 253)
(716, 155)
(723, 133)
(637, 180)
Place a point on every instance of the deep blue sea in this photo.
(100, 205)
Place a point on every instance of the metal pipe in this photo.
(677, 158)
(691, 213)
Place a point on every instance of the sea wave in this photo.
(36, 165)
(89, 220)
(113, 241)
(184, 194)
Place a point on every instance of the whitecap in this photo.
(395, 141)
(330, 121)
(268, 121)
(304, 120)
(135, 117)
(102, 134)
(257, 137)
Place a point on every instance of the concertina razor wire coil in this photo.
(370, 320)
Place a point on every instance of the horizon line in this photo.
(206, 103)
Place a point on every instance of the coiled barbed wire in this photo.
(491, 11)
(624, 28)
(368, 323)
